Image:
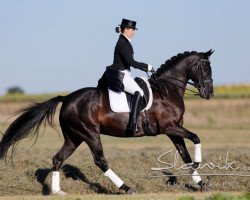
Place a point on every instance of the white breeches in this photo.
(129, 83)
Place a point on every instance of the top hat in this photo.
(128, 23)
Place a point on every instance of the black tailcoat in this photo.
(124, 56)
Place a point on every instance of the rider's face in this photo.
(129, 32)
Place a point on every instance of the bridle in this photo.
(200, 85)
(201, 80)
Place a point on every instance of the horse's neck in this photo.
(175, 80)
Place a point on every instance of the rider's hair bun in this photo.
(117, 29)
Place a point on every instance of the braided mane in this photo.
(169, 63)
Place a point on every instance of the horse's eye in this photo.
(207, 68)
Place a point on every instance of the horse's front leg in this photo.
(176, 134)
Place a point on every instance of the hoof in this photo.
(60, 193)
(131, 191)
(191, 188)
(205, 188)
(127, 189)
(172, 180)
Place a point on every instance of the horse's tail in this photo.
(28, 123)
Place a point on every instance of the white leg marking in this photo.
(197, 153)
(114, 178)
(195, 176)
(55, 182)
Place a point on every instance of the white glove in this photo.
(150, 68)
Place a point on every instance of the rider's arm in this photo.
(126, 53)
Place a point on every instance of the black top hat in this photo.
(128, 23)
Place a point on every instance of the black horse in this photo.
(86, 113)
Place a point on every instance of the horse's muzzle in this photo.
(210, 95)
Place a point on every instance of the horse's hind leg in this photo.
(66, 150)
(97, 151)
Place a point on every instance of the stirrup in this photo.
(132, 129)
(145, 126)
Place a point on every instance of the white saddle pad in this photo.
(118, 100)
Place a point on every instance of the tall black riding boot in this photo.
(132, 124)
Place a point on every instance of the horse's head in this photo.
(176, 72)
(201, 74)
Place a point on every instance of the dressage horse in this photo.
(86, 113)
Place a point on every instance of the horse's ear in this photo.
(208, 53)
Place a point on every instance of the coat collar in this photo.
(123, 36)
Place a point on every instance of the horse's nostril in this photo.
(209, 96)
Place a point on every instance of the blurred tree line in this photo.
(15, 90)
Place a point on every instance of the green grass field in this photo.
(223, 125)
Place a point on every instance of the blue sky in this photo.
(62, 45)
